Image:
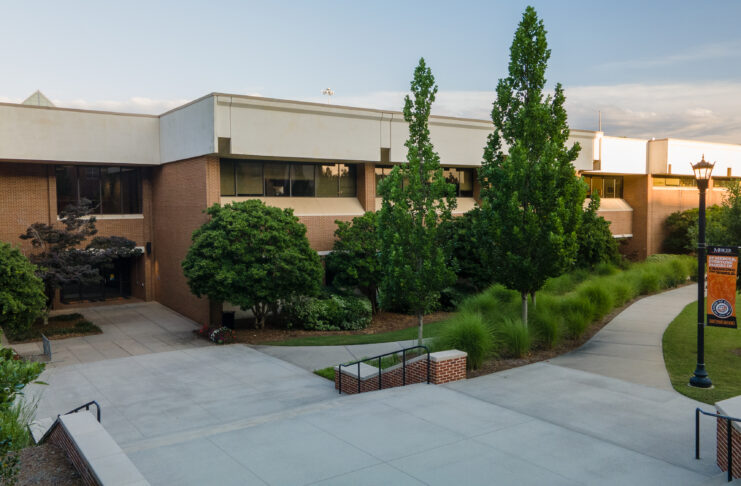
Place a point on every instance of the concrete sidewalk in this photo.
(128, 330)
(629, 347)
(317, 357)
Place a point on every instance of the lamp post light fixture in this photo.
(702, 171)
(328, 92)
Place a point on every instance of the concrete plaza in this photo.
(233, 415)
(236, 415)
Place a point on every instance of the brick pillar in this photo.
(366, 184)
(722, 450)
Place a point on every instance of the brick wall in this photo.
(61, 439)
(366, 184)
(722, 448)
(445, 366)
(28, 195)
(621, 222)
(181, 191)
(24, 200)
(320, 230)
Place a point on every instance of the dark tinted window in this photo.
(111, 190)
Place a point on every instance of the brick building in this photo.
(152, 177)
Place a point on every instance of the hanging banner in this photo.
(722, 269)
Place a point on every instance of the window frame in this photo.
(100, 170)
(352, 175)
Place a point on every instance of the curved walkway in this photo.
(629, 347)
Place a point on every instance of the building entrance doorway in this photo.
(116, 283)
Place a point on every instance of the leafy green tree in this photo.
(723, 223)
(62, 261)
(530, 192)
(22, 297)
(417, 202)
(355, 257)
(680, 229)
(471, 249)
(596, 243)
(253, 256)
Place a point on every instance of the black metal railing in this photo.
(87, 407)
(380, 370)
(729, 437)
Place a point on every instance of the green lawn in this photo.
(721, 359)
(430, 330)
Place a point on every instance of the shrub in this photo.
(596, 243)
(22, 297)
(452, 297)
(15, 414)
(329, 314)
(514, 337)
(467, 332)
(354, 260)
(253, 256)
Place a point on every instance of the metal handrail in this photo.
(729, 437)
(380, 371)
(87, 407)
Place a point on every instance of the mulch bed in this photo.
(46, 465)
(55, 329)
(565, 346)
(382, 322)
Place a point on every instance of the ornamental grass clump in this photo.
(467, 332)
(513, 337)
(545, 323)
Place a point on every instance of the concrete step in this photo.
(39, 427)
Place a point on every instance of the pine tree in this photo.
(417, 201)
(530, 193)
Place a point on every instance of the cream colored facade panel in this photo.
(188, 132)
(623, 155)
(589, 148)
(657, 156)
(286, 131)
(77, 136)
(309, 206)
(682, 154)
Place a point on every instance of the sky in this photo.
(653, 68)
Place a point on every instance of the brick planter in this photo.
(730, 408)
(445, 366)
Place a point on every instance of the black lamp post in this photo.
(702, 171)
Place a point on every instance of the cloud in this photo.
(704, 111)
(703, 52)
(708, 111)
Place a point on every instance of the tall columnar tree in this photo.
(417, 201)
(530, 191)
(61, 260)
(253, 256)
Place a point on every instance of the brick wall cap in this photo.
(366, 371)
(447, 355)
(730, 407)
(107, 462)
